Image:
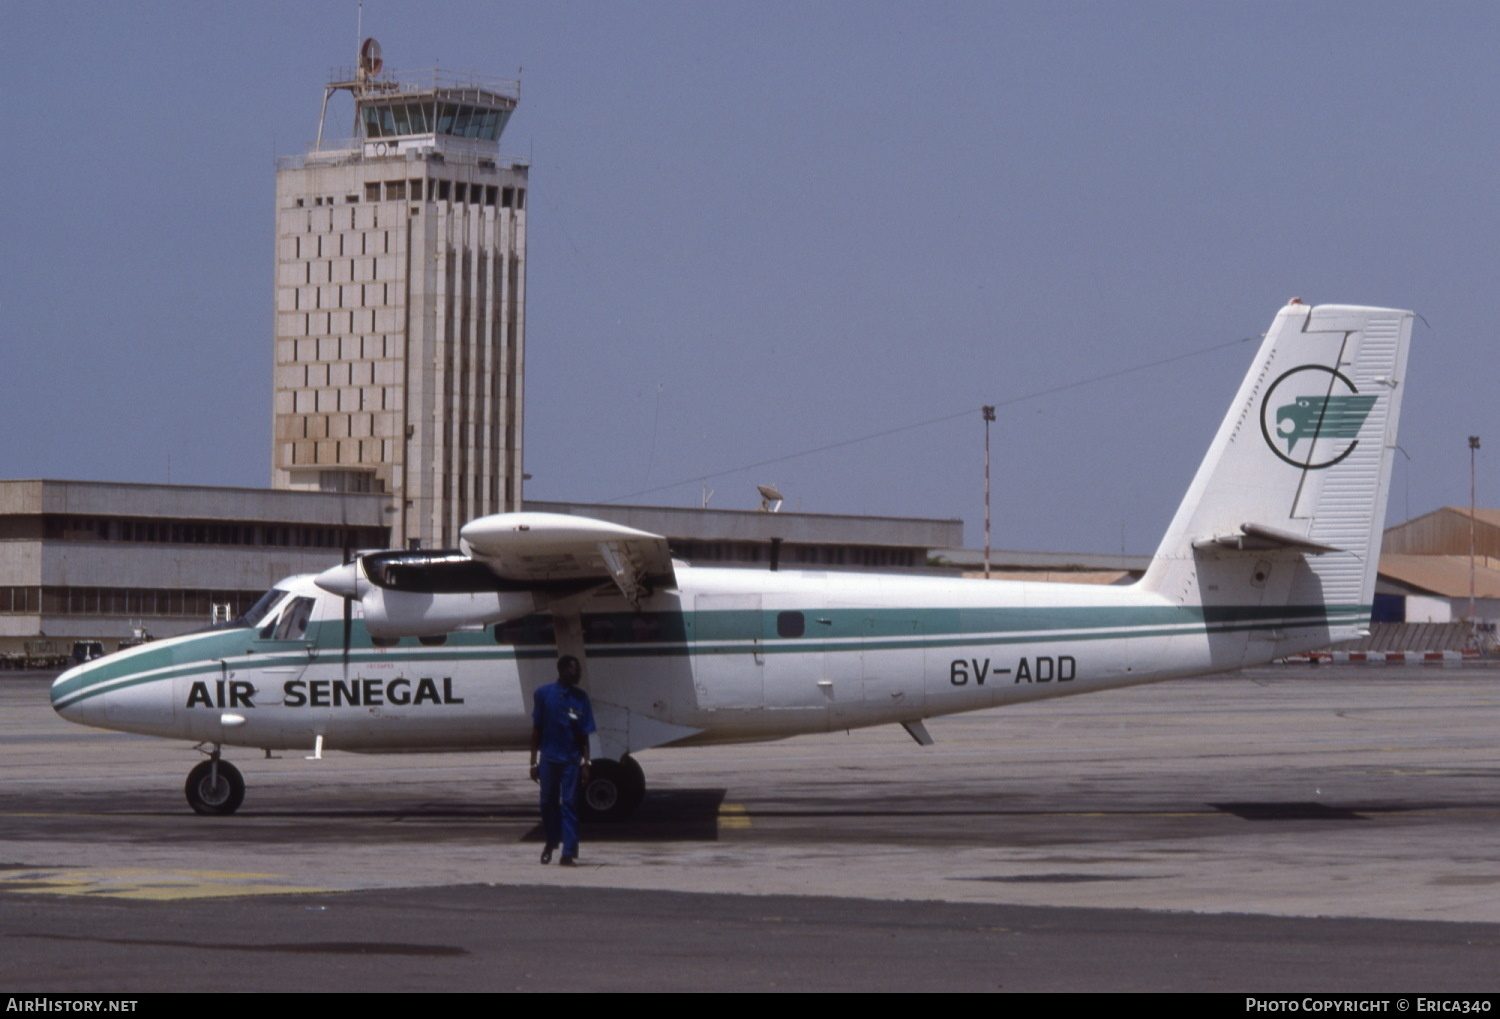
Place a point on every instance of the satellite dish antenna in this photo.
(768, 496)
(370, 62)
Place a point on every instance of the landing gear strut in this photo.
(613, 791)
(215, 787)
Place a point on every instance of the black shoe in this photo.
(568, 861)
(547, 854)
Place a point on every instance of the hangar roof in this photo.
(1445, 575)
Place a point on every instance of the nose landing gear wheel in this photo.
(207, 796)
(613, 791)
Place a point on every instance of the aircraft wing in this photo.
(538, 548)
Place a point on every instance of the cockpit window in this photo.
(256, 614)
(292, 624)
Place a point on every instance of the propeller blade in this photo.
(349, 609)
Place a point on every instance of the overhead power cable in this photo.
(1038, 394)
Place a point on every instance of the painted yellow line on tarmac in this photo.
(143, 883)
(733, 815)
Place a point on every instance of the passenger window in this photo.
(790, 624)
(598, 630)
(645, 628)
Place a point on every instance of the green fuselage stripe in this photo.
(707, 633)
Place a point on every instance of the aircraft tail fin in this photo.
(1278, 537)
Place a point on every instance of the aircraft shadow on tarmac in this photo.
(1306, 811)
(676, 815)
(665, 816)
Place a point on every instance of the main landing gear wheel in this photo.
(613, 791)
(207, 796)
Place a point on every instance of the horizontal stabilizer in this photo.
(1260, 538)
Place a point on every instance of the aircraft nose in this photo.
(342, 580)
(66, 699)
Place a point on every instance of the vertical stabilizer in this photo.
(1278, 538)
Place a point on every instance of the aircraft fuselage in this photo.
(727, 656)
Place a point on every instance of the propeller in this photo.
(348, 607)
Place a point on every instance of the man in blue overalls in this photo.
(561, 720)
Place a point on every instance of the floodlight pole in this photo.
(1473, 449)
(989, 415)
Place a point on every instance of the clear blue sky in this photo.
(761, 228)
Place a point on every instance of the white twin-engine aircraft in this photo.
(1273, 551)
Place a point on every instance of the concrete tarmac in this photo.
(1295, 829)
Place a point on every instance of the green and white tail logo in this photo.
(1317, 415)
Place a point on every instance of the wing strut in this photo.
(917, 731)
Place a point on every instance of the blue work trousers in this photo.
(560, 804)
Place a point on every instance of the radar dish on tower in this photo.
(369, 57)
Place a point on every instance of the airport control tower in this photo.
(401, 302)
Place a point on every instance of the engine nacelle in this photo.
(422, 594)
(417, 614)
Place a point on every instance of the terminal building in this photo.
(98, 561)
(401, 303)
(88, 560)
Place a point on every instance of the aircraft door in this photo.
(284, 639)
(728, 652)
(794, 682)
(280, 652)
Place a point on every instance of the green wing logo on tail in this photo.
(1326, 417)
(1312, 416)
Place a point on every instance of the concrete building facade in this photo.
(82, 560)
(801, 541)
(89, 560)
(400, 305)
